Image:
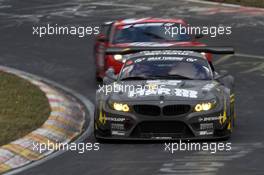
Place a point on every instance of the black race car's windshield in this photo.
(166, 68)
(147, 32)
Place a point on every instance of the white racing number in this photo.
(186, 93)
(164, 91)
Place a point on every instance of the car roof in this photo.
(148, 20)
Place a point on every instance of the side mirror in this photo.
(220, 74)
(110, 76)
(198, 36)
(102, 38)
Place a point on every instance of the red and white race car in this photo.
(137, 32)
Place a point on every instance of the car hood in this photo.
(165, 90)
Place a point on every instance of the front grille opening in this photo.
(175, 129)
(151, 110)
(176, 109)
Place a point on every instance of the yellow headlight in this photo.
(206, 106)
(203, 107)
(198, 108)
(121, 107)
(125, 108)
(118, 106)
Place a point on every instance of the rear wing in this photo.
(206, 49)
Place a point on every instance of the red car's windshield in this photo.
(166, 67)
(147, 32)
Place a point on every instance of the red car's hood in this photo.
(158, 44)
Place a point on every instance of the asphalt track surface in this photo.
(69, 61)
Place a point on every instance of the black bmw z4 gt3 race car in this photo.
(166, 94)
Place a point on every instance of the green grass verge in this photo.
(23, 108)
(253, 3)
